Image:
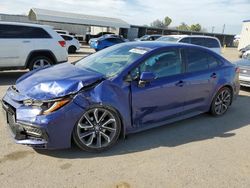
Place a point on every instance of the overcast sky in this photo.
(208, 13)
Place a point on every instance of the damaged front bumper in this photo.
(51, 131)
(23, 132)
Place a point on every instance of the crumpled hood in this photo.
(56, 81)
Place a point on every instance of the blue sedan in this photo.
(105, 41)
(123, 89)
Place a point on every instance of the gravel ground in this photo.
(199, 152)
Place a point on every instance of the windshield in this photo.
(168, 39)
(112, 60)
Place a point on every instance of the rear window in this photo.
(185, 40)
(168, 39)
(211, 43)
(206, 42)
(198, 60)
(16, 31)
(197, 41)
(66, 37)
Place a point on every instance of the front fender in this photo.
(109, 94)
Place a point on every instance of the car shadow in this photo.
(247, 89)
(195, 129)
(10, 77)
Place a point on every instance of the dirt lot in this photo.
(199, 152)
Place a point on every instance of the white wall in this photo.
(245, 35)
(95, 30)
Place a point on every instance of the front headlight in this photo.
(53, 106)
(48, 106)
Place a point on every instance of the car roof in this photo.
(24, 24)
(159, 44)
(66, 35)
(153, 35)
(108, 37)
(192, 36)
(60, 30)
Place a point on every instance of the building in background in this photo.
(245, 35)
(79, 24)
(82, 25)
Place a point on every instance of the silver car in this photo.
(244, 72)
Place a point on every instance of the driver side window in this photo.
(167, 63)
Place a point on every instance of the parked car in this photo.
(72, 44)
(30, 46)
(206, 41)
(89, 36)
(104, 36)
(244, 71)
(123, 89)
(243, 50)
(148, 38)
(106, 41)
(246, 55)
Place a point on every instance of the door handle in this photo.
(26, 41)
(180, 83)
(214, 75)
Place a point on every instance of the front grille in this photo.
(22, 130)
(33, 131)
(12, 122)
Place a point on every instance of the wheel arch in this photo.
(231, 90)
(110, 107)
(36, 53)
(218, 89)
(123, 130)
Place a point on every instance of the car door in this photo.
(9, 46)
(162, 99)
(200, 79)
(112, 41)
(14, 45)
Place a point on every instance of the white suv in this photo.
(210, 42)
(30, 46)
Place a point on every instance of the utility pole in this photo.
(223, 29)
(213, 29)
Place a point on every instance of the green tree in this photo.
(195, 27)
(167, 21)
(157, 23)
(183, 27)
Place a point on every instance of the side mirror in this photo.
(146, 77)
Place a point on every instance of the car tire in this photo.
(221, 102)
(98, 129)
(39, 62)
(72, 49)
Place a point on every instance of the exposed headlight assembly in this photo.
(53, 106)
(48, 106)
